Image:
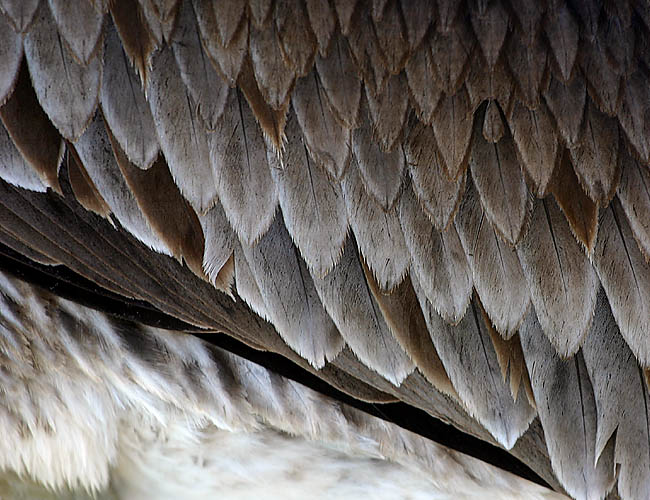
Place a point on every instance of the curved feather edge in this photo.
(469, 358)
(168, 214)
(622, 402)
(438, 196)
(562, 282)
(437, 259)
(346, 297)
(327, 140)
(11, 54)
(239, 159)
(500, 183)
(67, 91)
(634, 195)
(498, 277)
(625, 276)
(290, 297)
(403, 316)
(182, 139)
(378, 233)
(219, 241)
(567, 410)
(312, 204)
(95, 152)
(13, 167)
(80, 26)
(125, 107)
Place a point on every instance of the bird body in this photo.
(444, 204)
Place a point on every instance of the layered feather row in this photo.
(477, 172)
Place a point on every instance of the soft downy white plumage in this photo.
(87, 415)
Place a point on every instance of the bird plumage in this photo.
(435, 203)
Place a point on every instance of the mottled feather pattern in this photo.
(385, 176)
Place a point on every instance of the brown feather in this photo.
(403, 316)
(438, 195)
(580, 211)
(32, 132)
(83, 187)
(452, 126)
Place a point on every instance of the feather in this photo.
(160, 17)
(13, 167)
(323, 23)
(346, 297)
(528, 66)
(381, 173)
(392, 37)
(496, 85)
(595, 157)
(625, 276)
(169, 215)
(67, 91)
(567, 410)
(529, 14)
(33, 134)
(377, 232)
(227, 16)
(84, 188)
(447, 14)
(634, 194)
(496, 271)
(125, 107)
(20, 14)
(312, 205)
(219, 241)
(500, 184)
(634, 112)
(438, 196)
(208, 90)
(490, 26)
(493, 125)
(562, 33)
(536, 140)
(96, 155)
(297, 41)
(562, 283)
(238, 156)
(511, 359)
(366, 52)
(339, 80)
(403, 316)
(580, 211)
(11, 53)
(259, 11)
(80, 25)
(137, 40)
(228, 60)
(290, 297)
(424, 90)
(471, 362)
(437, 260)
(418, 17)
(246, 285)
(182, 139)
(452, 126)
(271, 120)
(344, 10)
(567, 103)
(621, 401)
(326, 139)
(387, 112)
(450, 52)
(274, 78)
(603, 79)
